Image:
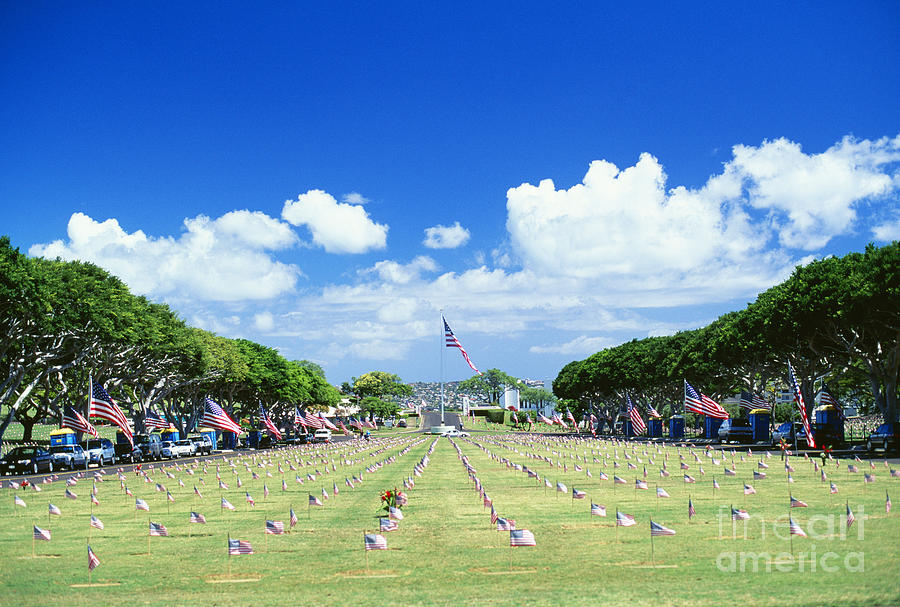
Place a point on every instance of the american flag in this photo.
(598, 510)
(314, 501)
(298, 418)
(796, 529)
(152, 419)
(833, 488)
(96, 523)
(715, 484)
(170, 497)
(452, 342)
(18, 501)
(825, 399)
(869, 478)
(71, 494)
(689, 479)
(637, 421)
(236, 547)
(249, 498)
(41, 534)
(850, 517)
(197, 492)
(570, 417)
(798, 397)
(739, 515)
(215, 417)
(326, 422)
(751, 400)
(158, 529)
(748, 489)
(386, 524)
(691, 511)
(640, 484)
(274, 527)
(561, 487)
(504, 524)
(652, 412)
(656, 529)
(660, 492)
(521, 537)
(624, 520)
(395, 513)
(887, 503)
(578, 495)
(757, 474)
(227, 504)
(93, 561)
(795, 503)
(618, 480)
(702, 404)
(196, 517)
(76, 421)
(267, 422)
(374, 541)
(313, 421)
(102, 406)
(293, 519)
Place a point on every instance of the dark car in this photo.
(150, 444)
(885, 438)
(736, 430)
(787, 431)
(126, 453)
(26, 460)
(401, 423)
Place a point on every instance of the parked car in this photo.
(401, 423)
(186, 447)
(786, 432)
(736, 430)
(68, 457)
(100, 451)
(150, 445)
(202, 444)
(169, 450)
(454, 432)
(127, 453)
(32, 460)
(322, 435)
(885, 438)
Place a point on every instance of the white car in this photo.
(454, 432)
(186, 447)
(169, 450)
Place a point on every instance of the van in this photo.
(150, 445)
(322, 435)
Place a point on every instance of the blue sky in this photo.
(323, 179)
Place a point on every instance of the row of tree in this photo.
(836, 320)
(61, 322)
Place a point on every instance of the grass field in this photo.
(445, 551)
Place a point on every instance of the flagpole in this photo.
(442, 339)
(651, 541)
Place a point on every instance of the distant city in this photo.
(430, 392)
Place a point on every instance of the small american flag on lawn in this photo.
(236, 547)
(314, 501)
(640, 484)
(227, 504)
(689, 479)
(71, 494)
(691, 511)
(561, 488)
(657, 529)
(374, 541)
(577, 494)
(386, 524)
(54, 510)
(274, 527)
(598, 510)
(196, 517)
(158, 529)
(660, 492)
(624, 520)
(796, 529)
(249, 498)
(395, 513)
(748, 489)
(833, 488)
(96, 523)
(140, 504)
(850, 517)
(41, 534)
(504, 524)
(18, 501)
(739, 515)
(795, 503)
(93, 561)
(521, 537)
(293, 519)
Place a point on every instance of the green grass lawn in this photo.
(445, 551)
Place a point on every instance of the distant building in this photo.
(533, 383)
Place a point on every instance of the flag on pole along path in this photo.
(54, 510)
(103, 406)
(652, 412)
(452, 342)
(374, 541)
(751, 400)
(18, 501)
(386, 524)
(700, 403)
(798, 398)
(570, 417)
(637, 422)
(598, 510)
(826, 399)
(326, 422)
(795, 503)
(494, 516)
(691, 511)
(76, 421)
(521, 537)
(196, 517)
(96, 523)
(850, 517)
(796, 529)
(660, 492)
(152, 419)
(227, 504)
(274, 527)
(158, 529)
(739, 515)
(41, 534)
(215, 417)
(395, 513)
(267, 422)
(624, 520)
(313, 421)
(71, 494)
(314, 501)
(293, 519)
(236, 547)
(140, 504)
(504, 524)
(93, 561)
(656, 529)
(578, 495)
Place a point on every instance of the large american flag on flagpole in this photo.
(637, 422)
(215, 417)
(700, 403)
(452, 342)
(798, 396)
(267, 422)
(76, 421)
(103, 406)
(751, 400)
(152, 419)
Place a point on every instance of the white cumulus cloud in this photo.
(220, 259)
(335, 226)
(446, 237)
(580, 346)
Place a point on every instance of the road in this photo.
(433, 418)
